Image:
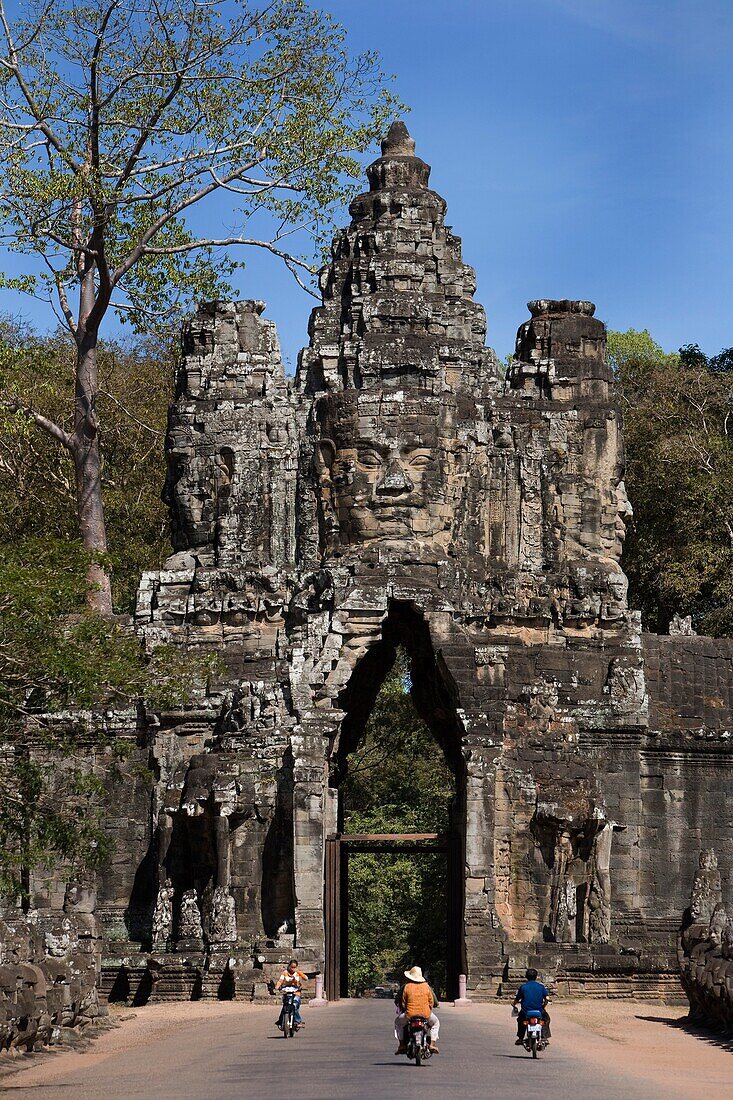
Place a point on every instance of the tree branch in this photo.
(62, 296)
(94, 84)
(54, 430)
(191, 200)
(291, 262)
(130, 415)
(13, 67)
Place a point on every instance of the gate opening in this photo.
(394, 882)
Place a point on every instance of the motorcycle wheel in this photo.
(418, 1054)
(534, 1046)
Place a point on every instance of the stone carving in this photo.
(563, 909)
(244, 456)
(222, 925)
(681, 626)
(706, 888)
(383, 471)
(48, 989)
(406, 488)
(163, 914)
(575, 839)
(705, 950)
(599, 899)
(626, 686)
(190, 928)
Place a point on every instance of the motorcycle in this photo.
(418, 1039)
(534, 1040)
(287, 1016)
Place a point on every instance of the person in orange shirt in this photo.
(291, 981)
(417, 999)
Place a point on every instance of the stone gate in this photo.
(407, 488)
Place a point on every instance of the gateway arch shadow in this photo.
(435, 700)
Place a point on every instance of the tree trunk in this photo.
(88, 470)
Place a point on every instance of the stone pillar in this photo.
(482, 955)
(308, 798)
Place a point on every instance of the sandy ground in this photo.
(645, 1043)
(138, 1028)
(654, 1041)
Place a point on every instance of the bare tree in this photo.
(118, 120)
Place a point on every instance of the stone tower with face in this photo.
(396, 364)
(231, 442)
(424, 445)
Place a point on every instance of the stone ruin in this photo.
(49, 974)
(705, 949)
(407, 488)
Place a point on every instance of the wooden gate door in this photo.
(336, 907)
(332, 917)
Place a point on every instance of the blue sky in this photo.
(585, 149)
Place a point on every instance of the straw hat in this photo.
(415, 974)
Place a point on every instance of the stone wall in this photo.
(49, 974)
(686, 765)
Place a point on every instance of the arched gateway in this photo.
(406, 488)
(437, 702)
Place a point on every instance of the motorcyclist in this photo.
(532, 996)
(416, 999)
(291, 981)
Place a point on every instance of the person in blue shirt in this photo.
(531, 995)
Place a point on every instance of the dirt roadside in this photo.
(652, 1040)
(138, 1027)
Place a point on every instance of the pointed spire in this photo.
(398, 169)
(398, 142)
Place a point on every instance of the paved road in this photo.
(345, 1053)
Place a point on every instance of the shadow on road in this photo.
(397, 1065)
(698, 1031)
(522, 1056)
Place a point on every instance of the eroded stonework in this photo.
(408, 488)
(705, 949)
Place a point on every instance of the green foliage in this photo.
(691, 356)
(37, 487)
(679, 548)
(118, 120)
(397, 918)
(47, 816)
(54, 655)
(397, 781)
(632, 348)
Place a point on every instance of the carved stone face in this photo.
(718, 923)
(624, 512)
(187, 492)
(708, 860)
(618, 587)
(381, 471)
(198, 488)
